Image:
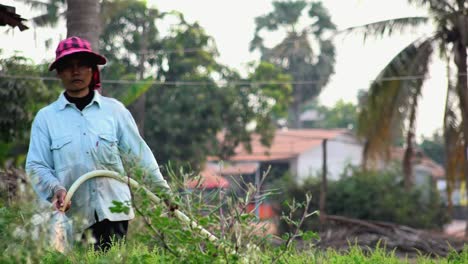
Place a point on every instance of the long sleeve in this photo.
(39, 162)
(134, 148)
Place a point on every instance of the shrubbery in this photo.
(154, 234)
(370, 195)
(153, 238)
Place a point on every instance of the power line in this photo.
(175, 83)
(237, 83)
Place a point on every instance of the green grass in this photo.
(138, 253)
(145, 244)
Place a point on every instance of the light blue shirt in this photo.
(67, 143)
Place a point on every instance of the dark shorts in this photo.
(107, 233)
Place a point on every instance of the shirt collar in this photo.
(63, 102)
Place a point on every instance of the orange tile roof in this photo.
(436, 170)
(419, 158)
(286, 144)
(239, 169)
(209, 178)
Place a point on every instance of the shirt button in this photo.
(84, 134)
(87, 152)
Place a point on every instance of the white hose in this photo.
(114, 175)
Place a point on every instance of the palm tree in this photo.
(294, 53)
(83, 20)
(83, 17)
(392, 102)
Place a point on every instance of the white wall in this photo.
(341, 151)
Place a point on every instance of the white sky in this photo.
(231, 24)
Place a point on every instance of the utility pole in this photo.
(257, 193)
(323, 188)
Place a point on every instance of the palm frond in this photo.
(387, 27)
(438, 6)
(134, 92)
(391, 101)
(45, 20)
(50, 11)
(35, 4)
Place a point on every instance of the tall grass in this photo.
(157, 237)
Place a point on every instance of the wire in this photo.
(195, 83)
(176, 83)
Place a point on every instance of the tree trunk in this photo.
(407, 168)
(448, 147)
(83, 20)
(365, 156)
(295, 113)
(409, 151)
(462, 89)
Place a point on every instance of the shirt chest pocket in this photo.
(62, 152)
(107, 149)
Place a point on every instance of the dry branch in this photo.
(342, 232)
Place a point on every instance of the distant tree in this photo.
(21, 99)
(273, 86)
(188, 109)
(434, 147)
(131, 42)
(310, 70)
(341, 115)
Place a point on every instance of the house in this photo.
(9, 17)
(299, 152)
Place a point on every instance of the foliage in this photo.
(188, 108)
(391, 102)
(310, 70)
(273, 85)
(155, 236)
(375, 196)
(434, 147)
(174, 85)
(140, 251)
(129, 35)
(241, 235)
(51, 10)
(393, 98)
(380, 196)
(341, 115)
(21, 99)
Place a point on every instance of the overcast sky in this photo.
(231, 23)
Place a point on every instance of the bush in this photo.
(378, 196)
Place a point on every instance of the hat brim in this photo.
(100, 60)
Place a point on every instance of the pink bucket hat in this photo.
(74, 45)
